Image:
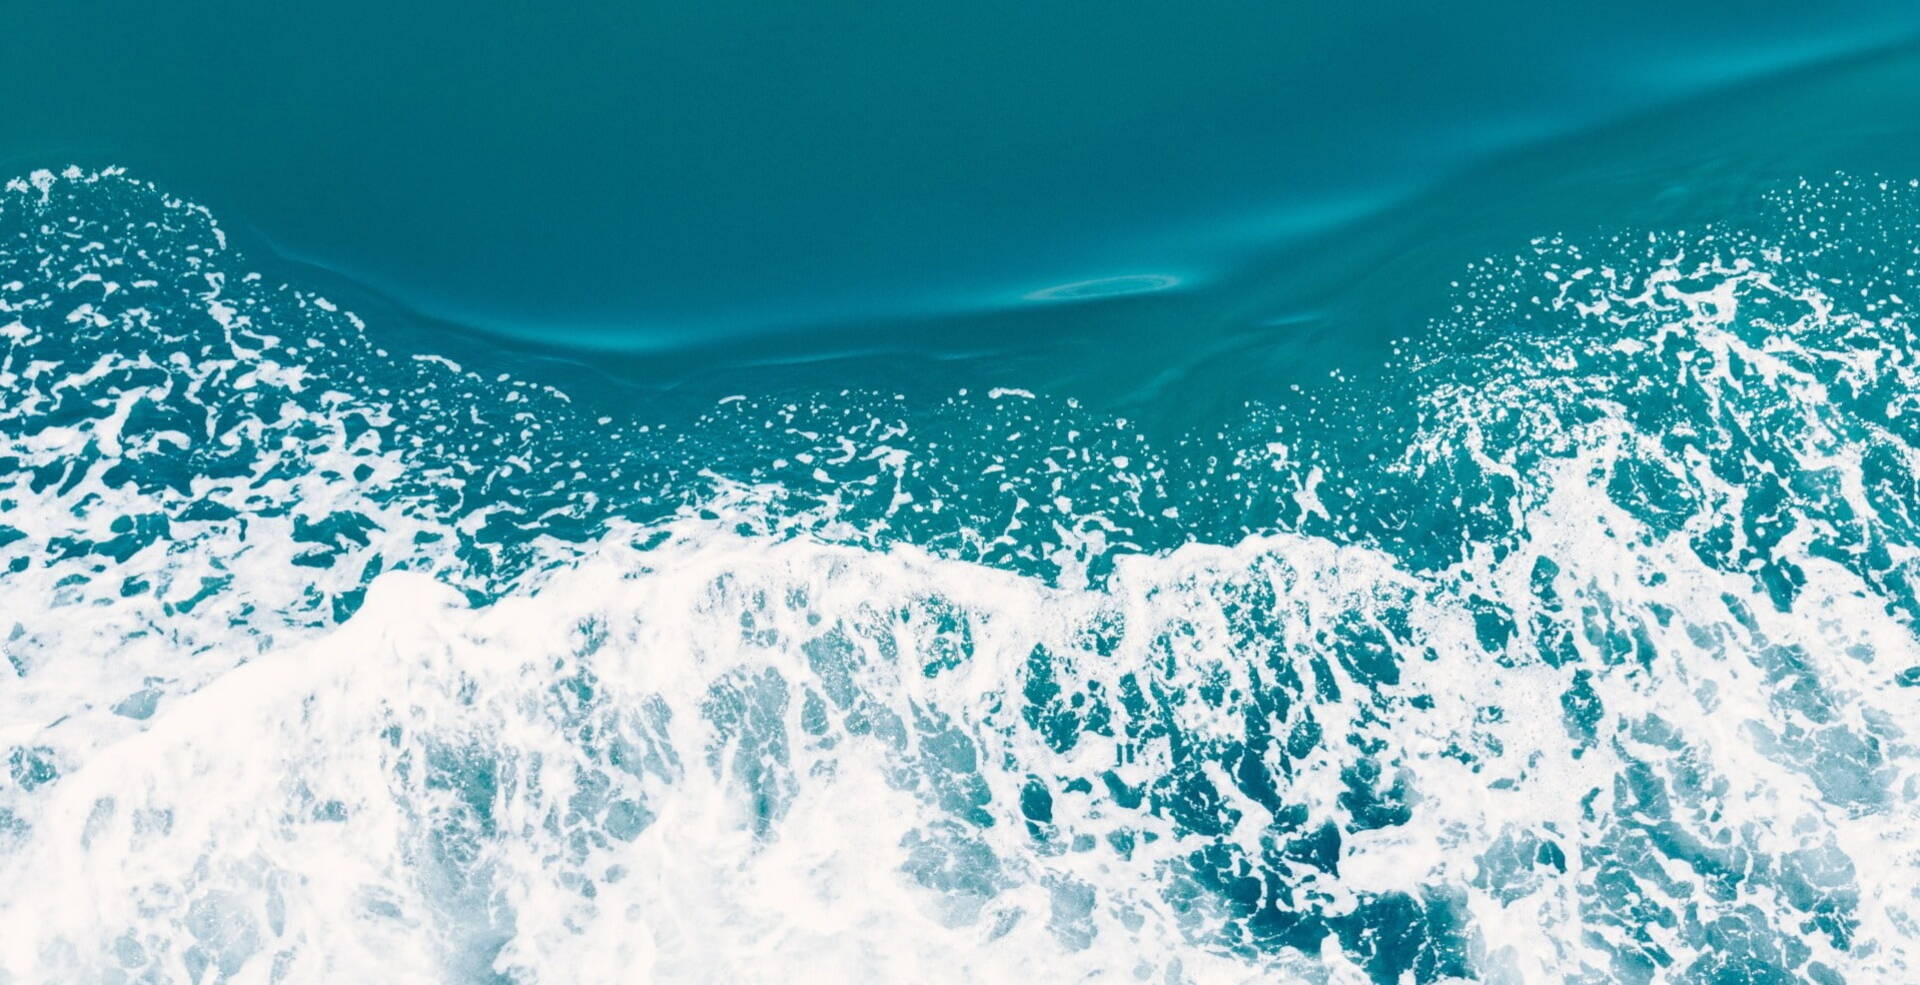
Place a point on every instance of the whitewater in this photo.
(1573, 641)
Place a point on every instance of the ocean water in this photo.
(1019, 495)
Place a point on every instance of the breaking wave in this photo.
(1572, 642)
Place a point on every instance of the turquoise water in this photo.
(1226, 494)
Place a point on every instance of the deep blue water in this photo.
(728, 494)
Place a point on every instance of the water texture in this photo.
(1563, 633)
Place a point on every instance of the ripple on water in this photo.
(1105, 287)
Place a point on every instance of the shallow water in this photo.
(732, 497)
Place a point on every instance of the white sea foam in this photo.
(748, 744)
(301, 816)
